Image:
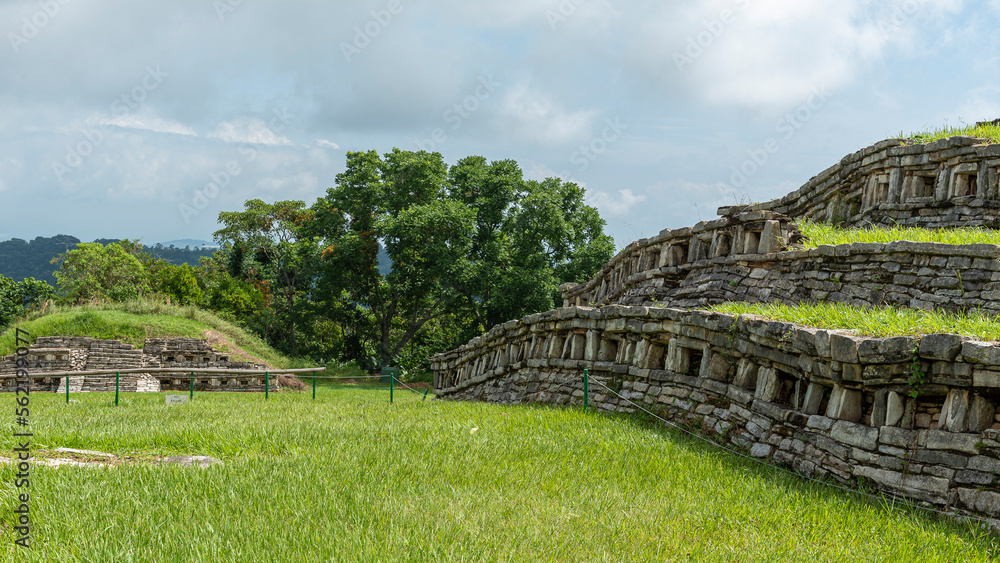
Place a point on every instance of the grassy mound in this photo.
(351, 477)
(135, 321)
(876, 321)
(818, 234)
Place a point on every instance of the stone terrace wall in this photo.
(825, 403)
(948, 183)
(903, 273)
(63, 353)
(670, 256)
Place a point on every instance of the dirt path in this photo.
(217, 339)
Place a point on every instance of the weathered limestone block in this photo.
(592, 346)
(887, 350)
(715, 366)
(981, 414)
(608, 350)
(578, 346)
(813, 399)
(746, 374)
(940, 346)
(955, 412)
(894, 409)
(844, 348)
(858, 435)
(770, 238)
(767, 384)
(650, 355)
(845, 404)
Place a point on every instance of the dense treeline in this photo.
(404, 257)
(21, 259)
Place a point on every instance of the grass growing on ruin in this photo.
(350, 477)
(818, 234)
(134, 321)
(928, 135)
(876, 321)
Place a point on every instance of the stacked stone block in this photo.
(61, 353)
(948, 183)
(825, 403)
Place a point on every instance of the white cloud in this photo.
(149, 122)
(770, 54)
(538, 117)
(614, 206)
(328, 144)
(248, 130)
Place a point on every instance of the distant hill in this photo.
(193, 243)
(21, 259)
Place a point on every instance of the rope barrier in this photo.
(885, 497)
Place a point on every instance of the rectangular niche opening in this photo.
(690, 361)
(723, 245)
(965, 185)
(786, 389)
(680, 254)
(751, 242)
(923, 186)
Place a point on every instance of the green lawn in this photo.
(818, 234)
(874, 321)
(350, 477)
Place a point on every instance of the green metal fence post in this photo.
(314, 386)
(392, 380)
(67, 389)
(426, 391)
(191, 397)
(118, 381)
(586, 389)
(267, 385)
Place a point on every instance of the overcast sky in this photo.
(146, 119)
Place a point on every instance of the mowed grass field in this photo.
(350, 477)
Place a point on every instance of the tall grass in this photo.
(989, 132)
(350, 477)
(818, 234)
(876, 321)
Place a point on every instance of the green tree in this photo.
(530, 237)
(93, 271)
(17, 297)
(179, 283)
(266, 243)
(399, 201)
(477, 243)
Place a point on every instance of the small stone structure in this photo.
(915, 416)
(64, 353)
(948, 183)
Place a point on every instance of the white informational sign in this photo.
(177, 399)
